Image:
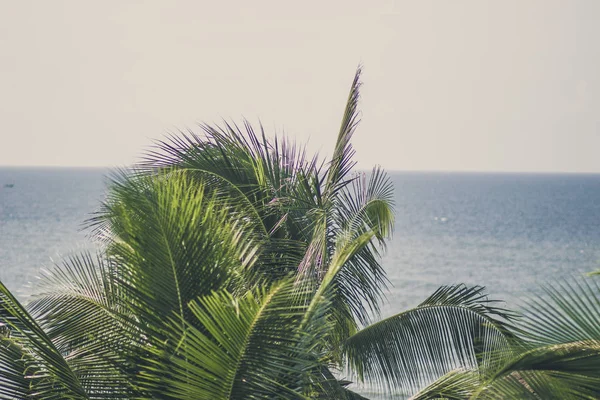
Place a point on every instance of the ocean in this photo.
(41, 217)
(508, 232)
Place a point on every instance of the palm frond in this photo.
(259, 171)
(567, 311)
(16, 364)
(570, 370)
(271, 182)
(49, 374)
(173, 241)
(341, 161)
(252, 347)
(332, 387)
(85, 313)
(455, 385)
(328, 287)
(456, 327)
(561, 353)
(365, 206)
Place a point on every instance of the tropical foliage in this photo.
(557, 358)
(234, 267)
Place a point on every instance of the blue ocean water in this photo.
(508, 232)
(41, 218)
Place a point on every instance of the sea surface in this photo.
(508, 232)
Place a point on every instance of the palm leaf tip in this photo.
(341, 161)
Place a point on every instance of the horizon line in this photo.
(437, 171)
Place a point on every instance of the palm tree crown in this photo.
(234, 267)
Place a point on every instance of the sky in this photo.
(448, 85)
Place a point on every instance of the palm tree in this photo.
(234, 267)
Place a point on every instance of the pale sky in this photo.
(448, 85)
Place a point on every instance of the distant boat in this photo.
(9, 185)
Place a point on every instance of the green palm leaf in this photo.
(252, 347)
(456, 327)
(561, 355)
(270, 182)
(49, 374)
(341, 161)
(172, 242)
(558, 355)
(252, 169)
(455, 385)
(84, 312)
(365, 206)
(15, 361)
